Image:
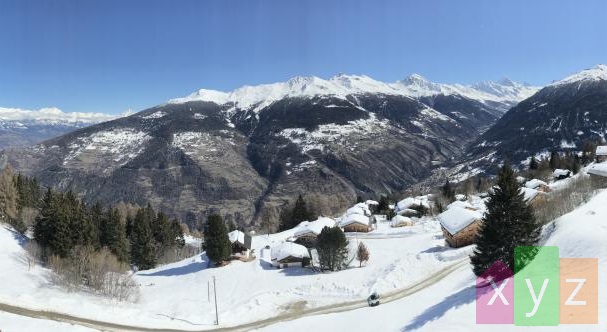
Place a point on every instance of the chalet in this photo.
(241, 243)
(307, 232)
(538, 185)
(463, 205)
(601, 153)
(533, 197)
(598, 174)
(355, 223)
(400, 221)
(289, 254)
(460, 226)
(560, 174)
(359, 208)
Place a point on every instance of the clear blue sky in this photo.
(107, 56)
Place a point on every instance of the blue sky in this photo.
(108, 56)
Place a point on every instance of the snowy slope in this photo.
(415, 86)
(175, 295)
(449, 305)
(596, 73)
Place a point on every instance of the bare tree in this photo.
(362, 254)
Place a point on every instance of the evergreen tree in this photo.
(384, 205)
(555, 160)
(448, 191)
(217, 243)
(359, 199)
(143, 246)
(300, 212)
(509, 222)
(332, 247)
(533, 164)
(8, 200)
(112, 234)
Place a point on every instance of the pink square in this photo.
(495, 295)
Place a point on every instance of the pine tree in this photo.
(143, 245)
(217, 243)
(300, 212)
(332, 247)
(384, 205)
(112, 234)
(8, 200)
(448, 191)
(555, 160)
(533, 164)
(362, 254)
(509, 222)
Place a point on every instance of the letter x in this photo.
(498, 292)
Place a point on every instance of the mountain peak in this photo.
(415, 79)
(596, 73)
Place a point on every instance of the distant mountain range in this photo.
(247, 153)
(20, 127)
(561, 116)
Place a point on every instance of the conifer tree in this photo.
(332, 247)
(448, 191)
(112, 234)
(533, 164)
(217, 243)
(508, 222)
(8, 200)
(300, 212)
(143, 245)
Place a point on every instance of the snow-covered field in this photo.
(177, 295)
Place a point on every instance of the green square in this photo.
(542, 270)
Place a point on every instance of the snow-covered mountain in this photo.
(505, 92)
(22, 127)
(247, 152)
(562, 116)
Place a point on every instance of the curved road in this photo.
(333, 308)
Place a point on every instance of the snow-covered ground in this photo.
(177, 295)
(449, 304)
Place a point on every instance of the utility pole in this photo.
(215, 291)
(209, 291)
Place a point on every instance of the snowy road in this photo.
(334, 308)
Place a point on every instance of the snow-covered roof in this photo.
(461, 204)
(354, 219)
(598, 169)
(314, 227)
(530, 194)
(601, 150)
(409, 202)
(371, 202)
(236, 236)
(289, 249)
(356, 209)
(456, 218)
(535, 183)
(561, 172)
(397, 220)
